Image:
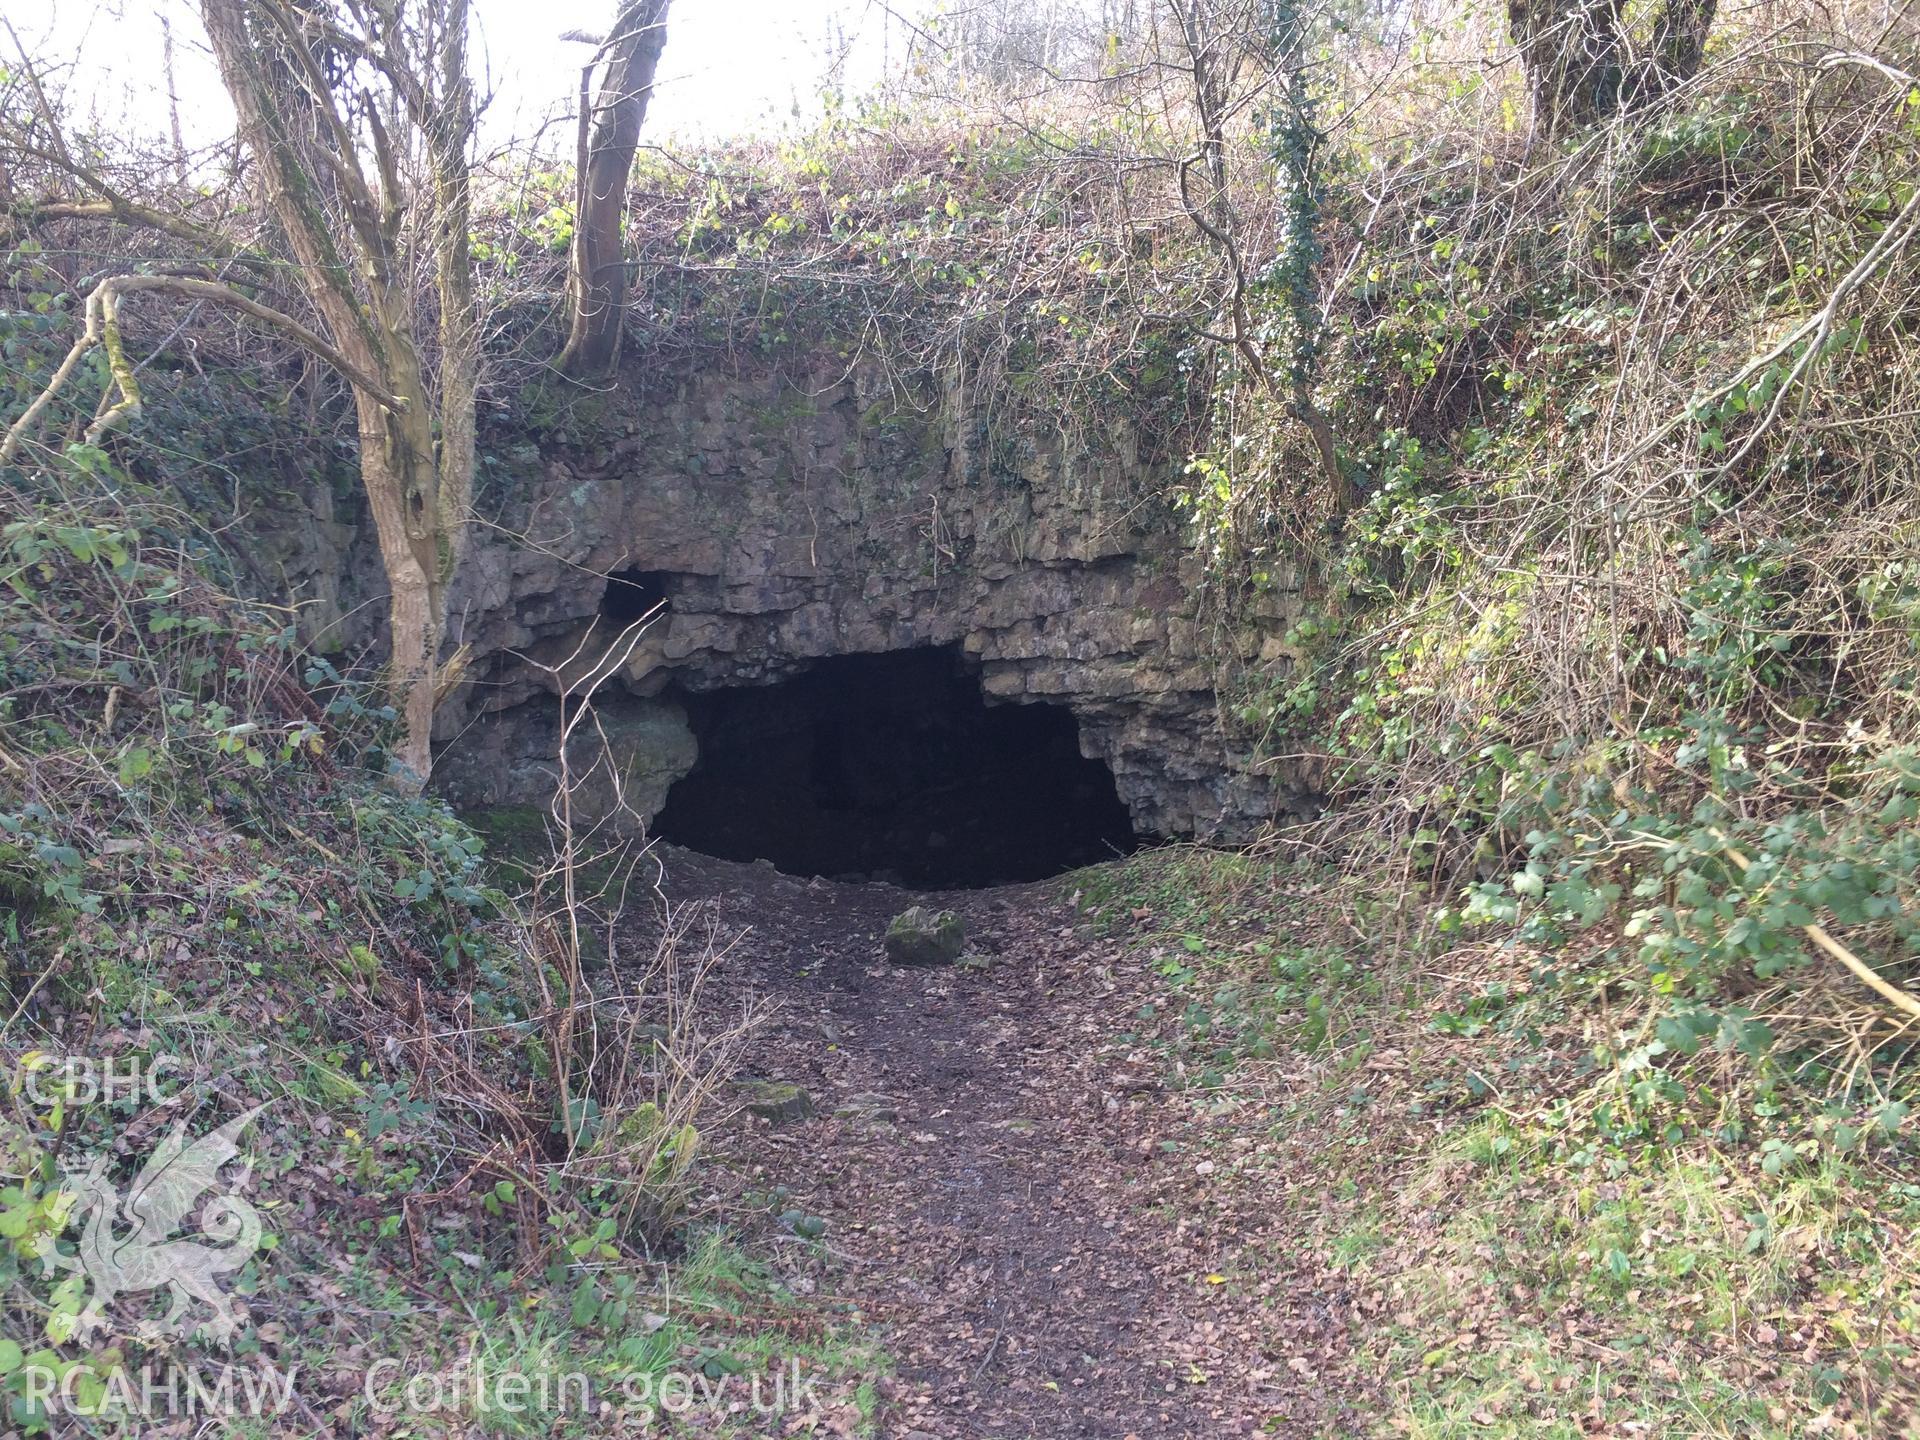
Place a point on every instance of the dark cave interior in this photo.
(893, 767)
(632, 595)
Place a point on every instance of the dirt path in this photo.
(1012, 1197)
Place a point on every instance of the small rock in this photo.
(778, 1100)
(871, 1106)
(920, 936)
(807, 1227)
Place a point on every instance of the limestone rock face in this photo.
(800, 510)
(624, 764)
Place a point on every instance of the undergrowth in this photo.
(1545, 1219)
(1613, 660)
(457, 1142)
(1607, 685)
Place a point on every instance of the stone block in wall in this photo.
(688, 635)
(625, 763)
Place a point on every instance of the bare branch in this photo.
(103, 328)
(132, 213)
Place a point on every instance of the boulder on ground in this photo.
(925, 937)
(778, 1100)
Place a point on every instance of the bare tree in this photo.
(1268, 39)
(321, 93)
(80, 183)
(1029, 46)
(609, 136)
(1583, 62)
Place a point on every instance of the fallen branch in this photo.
(1900, 999)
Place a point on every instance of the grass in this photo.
(1549, 1233)
(719, 1325)
(1675, 1293)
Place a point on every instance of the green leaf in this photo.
(63, 857)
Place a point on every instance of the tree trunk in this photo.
(413, 610)
(1582, 65)
(453, 280)
(416, 462)
(609, 137)
(401, 475)
(1679, 44)
(1570, 50)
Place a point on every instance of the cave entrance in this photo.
(632, 595)
(893, 767)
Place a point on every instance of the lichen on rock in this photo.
(920, 936)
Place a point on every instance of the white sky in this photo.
(731, 66)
